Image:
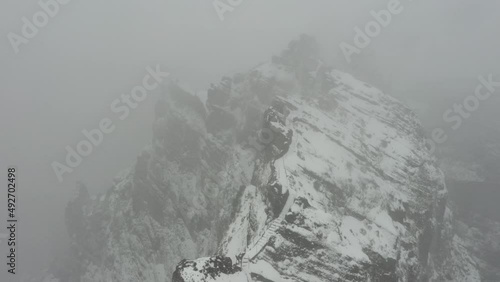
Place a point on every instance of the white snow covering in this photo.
(359, 178)
(367, 148)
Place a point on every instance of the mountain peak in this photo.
(291, 171)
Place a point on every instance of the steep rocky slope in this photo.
(370, 203)
(337, 170)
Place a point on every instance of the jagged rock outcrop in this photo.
(345, 164)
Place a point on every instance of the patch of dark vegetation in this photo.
(301, 243)
(276, 198)
(381, 269)
(397, 215)
(296, 218)
(287, 252)
(302, 202)
(212, 268)
(260, 278)
(274, 131)
(177, 275)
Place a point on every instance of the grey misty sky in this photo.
(65, 78)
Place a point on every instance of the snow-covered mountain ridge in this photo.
(343, 189)
(370, 201)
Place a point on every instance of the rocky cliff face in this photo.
(290, 172)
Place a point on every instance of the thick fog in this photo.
(64, 79)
